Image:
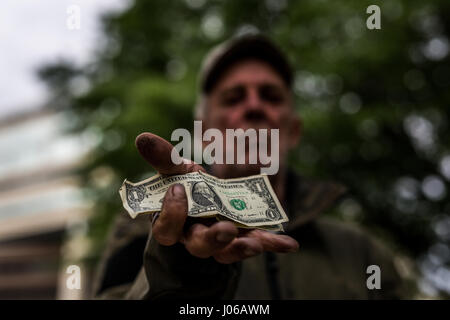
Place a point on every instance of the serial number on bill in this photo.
(227, 309)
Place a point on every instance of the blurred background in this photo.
(79, 80)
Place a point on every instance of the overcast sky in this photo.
(33, 33)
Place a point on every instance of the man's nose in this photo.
(253, 101)
(254, 108)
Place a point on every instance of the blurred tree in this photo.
(374, 104)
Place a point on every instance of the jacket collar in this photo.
(307, 198)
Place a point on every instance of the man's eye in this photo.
(272, 95)
(232, 98)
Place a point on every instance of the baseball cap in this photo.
(256, 46)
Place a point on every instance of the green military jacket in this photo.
(331, 263)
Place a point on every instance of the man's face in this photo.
(251, 94)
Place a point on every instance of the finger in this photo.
(274, 242)
(203, 241)
(158, 152)
(239, 249)
(168, 228)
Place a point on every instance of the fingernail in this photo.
(178, 190)
(224, 237)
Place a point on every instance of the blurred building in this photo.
(39, 201)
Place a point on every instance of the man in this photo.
(245, 83)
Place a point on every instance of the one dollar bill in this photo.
(249, 202)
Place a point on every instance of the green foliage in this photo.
(373, 102)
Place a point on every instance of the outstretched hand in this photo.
(221, 240)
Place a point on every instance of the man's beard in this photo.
(229, 171)
(247, 163)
